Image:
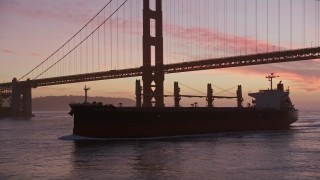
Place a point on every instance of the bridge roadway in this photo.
(236, 61)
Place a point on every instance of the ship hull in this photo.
(102, 122)
(5, 112)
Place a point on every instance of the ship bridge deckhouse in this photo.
(272, 98)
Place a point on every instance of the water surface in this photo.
(42, 148)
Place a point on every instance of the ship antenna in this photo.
(86, 89)
(270, 77)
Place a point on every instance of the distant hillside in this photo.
(61, 103)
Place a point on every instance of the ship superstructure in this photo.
(272, 98)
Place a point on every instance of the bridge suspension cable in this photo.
(67, 41)
(76, 46)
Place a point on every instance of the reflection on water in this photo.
(145, 159)
(33, 149)
(264, 154)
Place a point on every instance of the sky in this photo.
(30, 31)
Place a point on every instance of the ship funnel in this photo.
(280, 87)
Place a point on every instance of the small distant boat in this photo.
(271, 109)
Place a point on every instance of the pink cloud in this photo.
(303, 78)
(201, 37)
(63, 12)
(184, 37)
(11, 52)
(16, 53)
(302, 82)
(34, 54)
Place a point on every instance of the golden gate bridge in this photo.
(170, 37)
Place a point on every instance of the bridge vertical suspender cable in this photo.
(189, 24)
(318, 28)
(246, 26)
(318, 23)
(131, 32)
(290, 24)
(124, 38)
(87, 52)
(256, 16)
(111, 40)
(178, 25)
(185, 23)
(303, 22)
(279, 24)
(199, 40)
(104, 42)
(74, 57)
(117, 37)
(316, 2)
(226, 28)
(315, 22)
(98, 44)
(267, 25)
(217, 23)
(236, 26)
(80, 55)
(92, 50)
(170, 34)
(139, 30)
(207, 27)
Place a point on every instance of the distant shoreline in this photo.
(61, 103)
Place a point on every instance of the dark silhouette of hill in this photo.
(61, 103)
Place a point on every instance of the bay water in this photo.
(43, 147)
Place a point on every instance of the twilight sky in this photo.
(32, 30)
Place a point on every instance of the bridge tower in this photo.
(152, 77)
(21, 102)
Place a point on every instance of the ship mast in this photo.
(270, 77)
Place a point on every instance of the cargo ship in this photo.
(271, 109)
